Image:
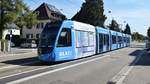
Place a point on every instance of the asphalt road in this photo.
(97, 69)
(140, 74)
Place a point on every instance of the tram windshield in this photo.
(49, 34)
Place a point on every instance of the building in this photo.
(46, 13)
(11, 29)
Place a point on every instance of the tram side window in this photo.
(124, 39)
(113, 39)
(101, 39)
(119, 39)
(91, 39)
(84, 39)
(107, 38)
(65, 38)
(104, 39)
(78, 39)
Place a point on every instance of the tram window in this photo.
(78, 39)
(105, 39)
(84, 39)
(118, 39)
(124, 39)
(113, 39)
(91, 39)
(65, 38)
(101, 39)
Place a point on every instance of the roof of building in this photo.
(45, 11)
(54, 9)
(12, 26)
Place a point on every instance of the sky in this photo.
(134, 12)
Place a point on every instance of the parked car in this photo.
(28, 44)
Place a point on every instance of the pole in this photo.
(10, 40)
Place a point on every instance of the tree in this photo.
(91, 12)
(30, 19)
(127, 30)
(137, 37)
(148, 32)
(15, 11)
(114, 26)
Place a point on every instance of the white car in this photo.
(28, 45)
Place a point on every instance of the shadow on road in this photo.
(22, 61)
(32, 61)
(143, 61)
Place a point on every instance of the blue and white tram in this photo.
(68, 40)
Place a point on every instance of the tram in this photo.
(69, 40)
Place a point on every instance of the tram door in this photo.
(101, 41)
(106, 42)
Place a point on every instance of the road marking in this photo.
(129, 70)
(119, 78)
(14, 66)
(56, 70)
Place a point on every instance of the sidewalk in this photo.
(140, 74)
(18, 51)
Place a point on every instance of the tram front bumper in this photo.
(46, 57)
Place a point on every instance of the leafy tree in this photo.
(137, 37)
(114, 26)
(30, 19)
(92, 12)
(127, 30)
(10, 17)
(148, 32)
(15, 11)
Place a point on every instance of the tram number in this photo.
(65, 53)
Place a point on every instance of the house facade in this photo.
(46, 13)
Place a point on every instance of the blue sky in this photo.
(134, 12)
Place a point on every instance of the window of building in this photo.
(31, 35)
(27, 36)
(37, 36)
(42, 25)
(38, 25)
(65, 38)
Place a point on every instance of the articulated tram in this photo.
(68, 40)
